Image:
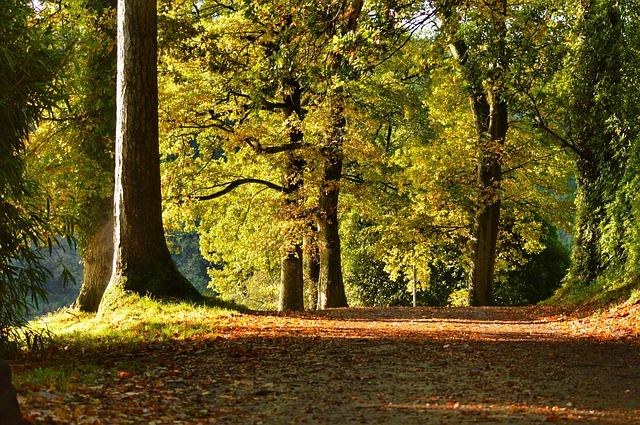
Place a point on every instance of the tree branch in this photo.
(541, 122)
(237, 183)
(282, 148)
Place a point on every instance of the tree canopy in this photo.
(339, 153)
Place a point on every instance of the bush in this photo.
(539, 277)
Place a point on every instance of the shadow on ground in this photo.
(406, 366)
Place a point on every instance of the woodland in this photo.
(232, 177)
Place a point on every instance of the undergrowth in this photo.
(598, 295)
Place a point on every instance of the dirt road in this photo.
(369, 366)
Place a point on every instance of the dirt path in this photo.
(371, 366)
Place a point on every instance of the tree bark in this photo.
(99, 110)
(491, 125)
(291, 281)
(311, 266)
(291, 270)
(490, 116)
(98, 262)
(330, 283)
(9, 409)
(142, 261)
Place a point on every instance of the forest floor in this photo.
(352, 366)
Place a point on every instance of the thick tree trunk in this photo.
(331, 292)
(585, 256)
(330, 283)
(9, 409)
(291, 269)
(291, 281)
(491, 125)
(99, 106)
(142, 262)
(98, 263)
(490, 116)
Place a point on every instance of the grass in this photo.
(59, 378)
(134, 321)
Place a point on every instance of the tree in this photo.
(487, 98)
(255, 114)
(96, 112)
(97, 107)
(31, 59)
(142, 261)
(602, 136)
(592, 111)
(71, 153)
(506, 56)
(292, 273)
(284, 66)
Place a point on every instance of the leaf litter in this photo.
(350, 366)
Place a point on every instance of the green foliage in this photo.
(72, 153)
(371, 282)
(66, 269)
(30, 60)
(534, 277)
(601, 103)
(366, 279)
(539, 274)
(459, 298)
(415, 183)
(227, 73)
(257, 290)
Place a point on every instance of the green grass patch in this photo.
(133, 319)
(61, 378)
(88, 348)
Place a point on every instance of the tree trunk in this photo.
(291, 270)
(98, 263)
(491, 125)
(311, 266)
(585, 255)
(9, 409)
(490, 115)
(142, 262)
(330, 283)
(291, 281)
(331, 292)
(98, 106)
